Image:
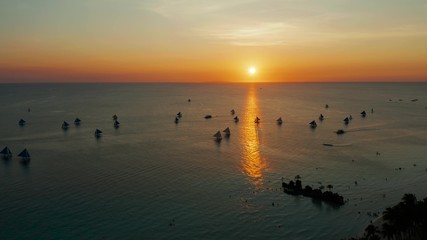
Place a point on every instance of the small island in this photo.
(295, 188)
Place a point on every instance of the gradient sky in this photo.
(214, 41)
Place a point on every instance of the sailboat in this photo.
(279, 121)
(176, 119)
(77, 121)
(313, 124)
(98, 133)
(321, 117)
(21, 122)
(346, 120)
(227, 132)
(65, 125)
(232, 111)
(7, 154)
(363, 114)
(115, 117)
(179, 115)
(218, 136)
(236, 119)
(257, 120)
(116, 124)
(25, 156)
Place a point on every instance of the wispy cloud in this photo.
(261, 23)
(229, 21)
(190, 8)
(260, 34)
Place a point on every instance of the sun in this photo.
(251, 71)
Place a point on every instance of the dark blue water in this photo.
(154, 179)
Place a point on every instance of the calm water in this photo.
(154, 179)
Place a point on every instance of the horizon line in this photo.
(210, 82)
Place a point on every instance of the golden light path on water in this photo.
(253, 164)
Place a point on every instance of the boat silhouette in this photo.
(313, 124)
(77, 121)
(65, 125)
(25, 156)
(227, 132)
(6, 153)
(98, 133)
(22, 122)
(218, 136)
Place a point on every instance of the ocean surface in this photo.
(154, 179)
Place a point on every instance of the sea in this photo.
(152, 178)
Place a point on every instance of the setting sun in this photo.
(252, 71)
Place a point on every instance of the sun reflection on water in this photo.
(253, 164)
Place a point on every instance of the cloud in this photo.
(181, 9)
(284, 22)
(260, 34)
(235, 22)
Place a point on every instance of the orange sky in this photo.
(200, 41)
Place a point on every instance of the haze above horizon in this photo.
(213, 41)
